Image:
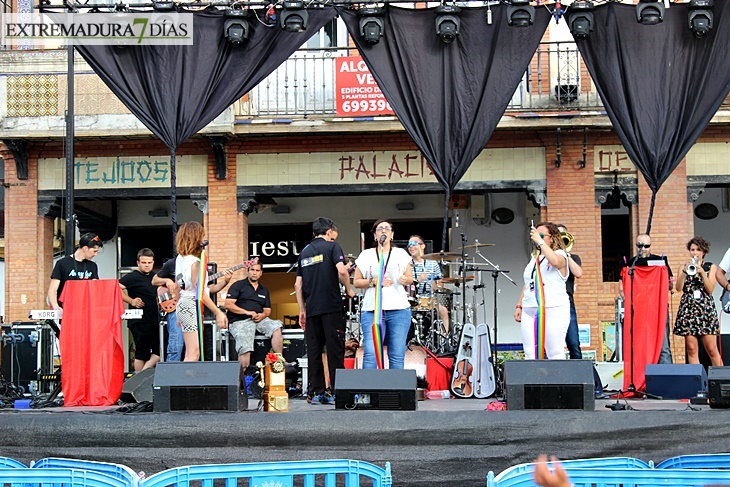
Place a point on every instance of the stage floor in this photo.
(449, 441)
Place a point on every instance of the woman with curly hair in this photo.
(544, 299)
(697, 315)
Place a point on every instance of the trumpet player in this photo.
(572, 340)
(697, 315)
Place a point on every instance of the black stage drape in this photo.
(660, 84)
(177, 90)
(449, 97)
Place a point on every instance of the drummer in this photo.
(427, 274)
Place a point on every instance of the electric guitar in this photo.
(168, 301)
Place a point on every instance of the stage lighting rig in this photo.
(520, 13)
(700, 16)
(580, 18)
(371, 24)
(294, 17)
(649, 12)
(447, 23)
(163, 6)
(236, 29)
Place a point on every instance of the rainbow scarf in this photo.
(540, 314)
(378, 311)
(199, 293)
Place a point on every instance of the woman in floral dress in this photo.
(697, 315)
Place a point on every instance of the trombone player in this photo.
(572, 340)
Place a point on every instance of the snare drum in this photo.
(426, 303)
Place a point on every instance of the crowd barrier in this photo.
(712, 461)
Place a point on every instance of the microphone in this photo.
(381, 242)
(203, 244)
(457, 218)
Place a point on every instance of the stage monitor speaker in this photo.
(138, 388)
(375, 389)
(718, 380)
(549, 384)
(675, 381)
(198, 386)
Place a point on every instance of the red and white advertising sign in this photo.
(357, 92)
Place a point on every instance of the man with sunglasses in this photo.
(644, 257)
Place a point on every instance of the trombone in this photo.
(568, 240)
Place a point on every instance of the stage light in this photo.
(163, 6)
(700, 16)
(649, 12)
(294, 17)
(371, 24)
(447, 23)
(520, 13)
(236, 28)
(580, 19)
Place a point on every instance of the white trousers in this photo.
(557, 320)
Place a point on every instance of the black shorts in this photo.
(146, 340)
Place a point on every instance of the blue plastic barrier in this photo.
(117, 471)
(626, 477)
(6, 462)
(67, 477)
(713, 460)
(276, 473)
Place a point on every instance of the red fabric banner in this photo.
(643, 342)
(92, 352)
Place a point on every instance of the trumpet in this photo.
(691, 268)
(568, 241)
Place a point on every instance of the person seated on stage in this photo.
(427, 275)
(248, 304)
(141, 294)
(697, 314)
(166, 278)
(75, 267)
(644, 257)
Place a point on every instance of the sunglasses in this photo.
(542, 235)
(383, 229)
(642, 246)
(413, 243)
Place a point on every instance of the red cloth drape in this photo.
(643, 342)
(92, 353)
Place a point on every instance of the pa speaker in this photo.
(138, 388)
(549, 384)
(675, 381)
(375, 389)
(198, 386)
(718, 379)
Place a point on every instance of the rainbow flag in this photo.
(199, 293)
(540, 314)
(378, 312)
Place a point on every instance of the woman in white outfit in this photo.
(553, 262)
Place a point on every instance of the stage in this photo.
(448, 442)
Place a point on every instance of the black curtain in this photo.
(449, 97)
(177, 90)
(660, 84)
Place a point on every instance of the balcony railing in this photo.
(304, 85)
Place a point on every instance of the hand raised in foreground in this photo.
(546, 478)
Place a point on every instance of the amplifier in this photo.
(549, 384)
(718, 379)
(375, 389)
(675, 381)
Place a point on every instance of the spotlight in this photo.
(649, 12)
(520, 13)
(371, 24)
(294, 17)
(447, 23)
(580, 18)
(236, 28)
(700, 16)
(163, 6)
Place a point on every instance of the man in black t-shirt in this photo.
(141, 294)
(572, 338)
(321, 268)
(248, 305)
(75, 267)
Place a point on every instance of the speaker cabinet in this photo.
(375, 389)
(198, 386)
(138, 388)
(718, 380)
(549, 384)
(675, 381)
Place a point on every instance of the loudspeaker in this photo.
(675, 381)
(138, 388)
(375, 389)
(549, 384)
(199, 386)
(718, 380)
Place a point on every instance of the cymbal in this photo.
(442, 256)
(476, 245)
(454, 280)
